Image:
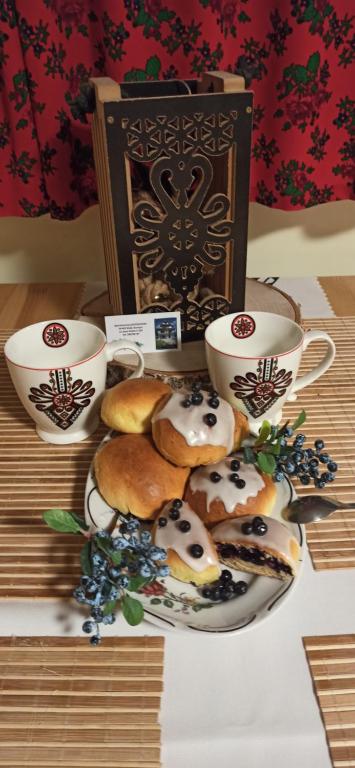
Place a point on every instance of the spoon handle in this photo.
(348, 505)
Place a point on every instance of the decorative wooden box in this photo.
(172, 161)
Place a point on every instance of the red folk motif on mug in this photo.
(260, 391)
(62, 400)
(55, 335)
(242, 326)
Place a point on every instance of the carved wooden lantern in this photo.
(172, 161)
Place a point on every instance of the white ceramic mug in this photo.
(58, 369)
(253, 360)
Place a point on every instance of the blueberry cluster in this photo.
(196, 398)
(183, 526)
(257, 526)
(225, 588)
(117, 563)
(305, 463)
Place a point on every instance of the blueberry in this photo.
(196, 386)
(186, 403)
(332, 466)
(235, 465)
(156, 553)
(197, 398)
(305, 480)
(240, 587)
(174, 514)
(114, 573)
(313, 463)
(290, 467)
(214, 393)
(309, 452)
(95, 640)
(282, 442)
(145, 571)
(257, 520)
(260, 529)
(88, 627)
(314, 472)
(213, 402)
(215, 477)
(278, 476)
(207, 592)
(162, 521)
(234, 477)
(247, 528)
(240, 483)
(327, 477)
(163, 571)
(210, 419)
(288, 431)
(146, 538)
(319, 483)
(177, 503)
(184, 526)
(283, 457)
(297, 457)
(300, 438)
(324, 458)
(109, 619)
(196, 550)
(226, 576)
(319, 444)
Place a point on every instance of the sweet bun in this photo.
(186, 438)
(260, 545)
(191, 553)
(128, 407)
(214, 495)
(133, 477)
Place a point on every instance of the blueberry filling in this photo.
(253, 555)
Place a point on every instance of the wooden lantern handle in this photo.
(220, 82)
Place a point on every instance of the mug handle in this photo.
(322, 367)
(114, 346)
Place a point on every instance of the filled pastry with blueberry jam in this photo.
(259, 545)
(192, 555)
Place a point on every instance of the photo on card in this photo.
(166, 333)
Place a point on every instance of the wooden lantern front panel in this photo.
(180, 244)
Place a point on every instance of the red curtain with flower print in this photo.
(296, 55)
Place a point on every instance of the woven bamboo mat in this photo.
(65, 703)
(331, 661)
(35, 476)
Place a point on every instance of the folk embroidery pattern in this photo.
(63, 399)
(55, 335)
(259, 391)
(243, 326)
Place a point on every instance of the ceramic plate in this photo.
(171, 603)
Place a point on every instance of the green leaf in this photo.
(132, 610)
(266, 462)
(153, 66)
(136, 582)
(23, 123)
(82, 28)
(67, 31)
(310, 13)
(313, 62)
(264, 433)
(80, 521)
(300, 420)
(109, 607)
(275, 449)
(105, 546)
(116, 557)
(142, 18)
(135, 75)
(85, 559)
(249, 455)
(61, 521)
(300, 74)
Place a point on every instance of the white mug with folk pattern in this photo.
(253, 359)
(58, 369)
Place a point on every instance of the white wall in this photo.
(316, 241)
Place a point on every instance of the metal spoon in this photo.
(309, 509)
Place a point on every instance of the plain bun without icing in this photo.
(128, 407)
(133, 477)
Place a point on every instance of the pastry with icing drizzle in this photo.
(198, 428)
(192, 555)
(260, 545)
(231, 488)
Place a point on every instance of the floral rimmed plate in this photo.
(171, 603)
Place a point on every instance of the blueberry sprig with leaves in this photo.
(112, 566)
(273, 454)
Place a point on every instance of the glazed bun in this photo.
(192, 555)
(133, 477)
(230, 489)
(128, 407)
(263, 546)
(199, 433)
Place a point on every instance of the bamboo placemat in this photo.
(35, 476)
(331, 662)
(64, 703)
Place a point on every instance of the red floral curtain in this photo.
(296, 55)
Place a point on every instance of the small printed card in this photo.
(153, 332)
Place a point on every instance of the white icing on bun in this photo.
(171, 537)
(191, 424)
(225, 489)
